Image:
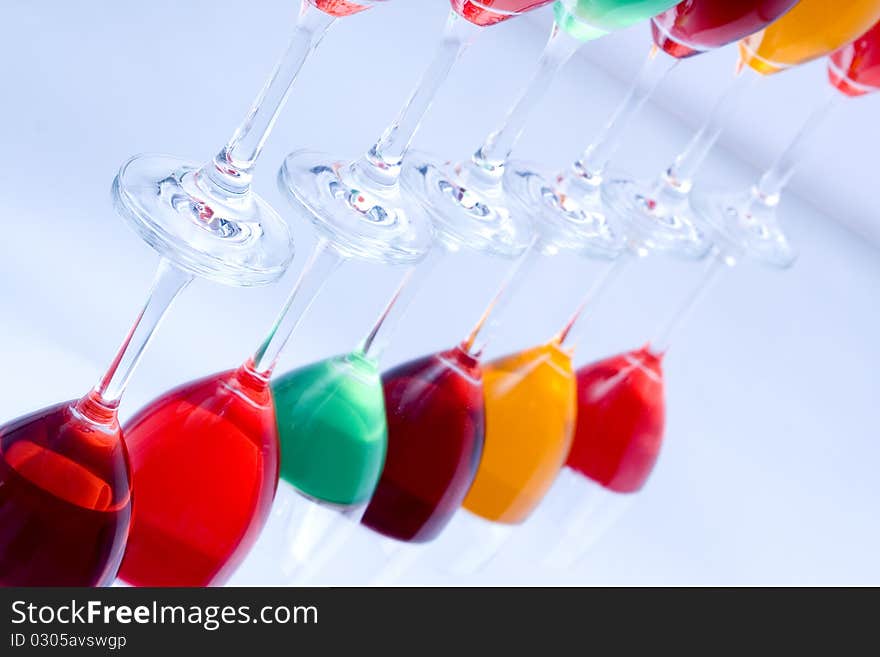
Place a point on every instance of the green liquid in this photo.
(591, 19)
(332, 428)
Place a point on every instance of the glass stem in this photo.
(377, 340)
(168, 283)
(493, 154)
(383, 160)
(679, 177)
(232, 168)
(490, 322)
(770, 187)
(594, 161)
(714, 266)
(574, 330)
(323, 262)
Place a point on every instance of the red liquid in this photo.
(204, 463)
(435, 437)
(489, 12)
(65, 502)
(339, 7)
(621, 414)
(855, 68)
(694, 26)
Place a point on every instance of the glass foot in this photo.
(745, 226)
(359, 216)
(575, 222)
(234, 239)
(658, 221)
(466, 211)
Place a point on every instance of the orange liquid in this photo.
(531, 400)
(812, 29)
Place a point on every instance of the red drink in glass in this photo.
(65, 501)
(489, 12)
(341, 7)
(204, 461)
(694, 26)
(855, 68)
(620, 420)
(436, 420)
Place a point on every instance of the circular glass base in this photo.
(234, 239)
(745, 226)
(573, 221)
(662, 222)
(361, 217)
(465, 211)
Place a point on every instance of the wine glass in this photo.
(751, 216)
(203, 221)
(684, 31)
(811, 29)
(462, 196)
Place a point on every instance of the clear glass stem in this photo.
(323, 262)
(233, 166)
(379, 337)
(714, 266)
(574, 330)
(680, 176)
(168, 283)
(383, 160)
(493, 154)
(491, 321)
(770, 187)
(591, 166)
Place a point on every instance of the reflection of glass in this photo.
(811, 29)
(749, 218)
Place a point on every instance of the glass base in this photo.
(234, 239)
(466, 211)
(656, 218)
(745, 225)
(573, 221)
(362, 218)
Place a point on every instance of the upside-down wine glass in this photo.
(811, 29)
(66, 499)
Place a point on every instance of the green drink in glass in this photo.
(591, 19)
(332, 429)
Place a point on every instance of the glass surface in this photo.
(591, 19)
(855, 68)
(695, 26)
(332, 428)
(65, 500)
(812, 29)
(620, 420)
(436, 426)
(530, 412)
(205, 465)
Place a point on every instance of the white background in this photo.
(768, 473)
